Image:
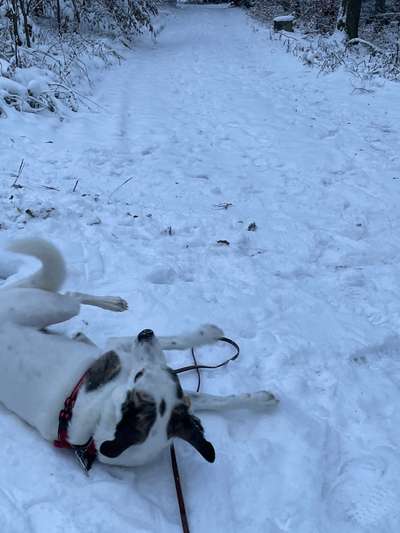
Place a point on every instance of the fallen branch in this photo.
(357, 40)
(76, 93)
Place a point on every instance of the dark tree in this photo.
(349, 18)
(353, 18)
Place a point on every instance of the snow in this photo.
(12, 87)
(284, 18)
(215, 113)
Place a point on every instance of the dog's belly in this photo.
(38, 371)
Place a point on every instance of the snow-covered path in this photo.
(212, 129)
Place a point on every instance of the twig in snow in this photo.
(50, 188)
(224, 205)
(119, 187)
(21, 168)
(76, 185)
(362, 90)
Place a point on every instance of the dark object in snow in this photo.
(94, 221)
(284, 23)
(223, 242)
(224, 205)
(43, 213)
(252, 227)
(168, 231)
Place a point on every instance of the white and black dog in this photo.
(129, 403)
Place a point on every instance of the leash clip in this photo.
(85, 455)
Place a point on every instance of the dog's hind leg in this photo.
(110, 303)
(36, 308)
(209, 402)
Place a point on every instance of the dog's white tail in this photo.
(52, 273)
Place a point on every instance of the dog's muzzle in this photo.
(146, 335)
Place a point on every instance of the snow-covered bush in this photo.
(53, 41)
(314, 15)
(327, 53)
(319, 43)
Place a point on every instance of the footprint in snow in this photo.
(367, 493)
(12, 513)
(162, 276)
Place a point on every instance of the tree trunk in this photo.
(27, 28)
(77, 16)
(59, 16)
(13, 15)
(341, 20)
(353, 10)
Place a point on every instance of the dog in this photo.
(129, 403)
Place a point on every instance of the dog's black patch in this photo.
(188, 427)
(179, 391)
(106, 368)
(162, 407)
(139, 412)
(139, 375)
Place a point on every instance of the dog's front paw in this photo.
(210, 333)
(115, 303)
(264, 398)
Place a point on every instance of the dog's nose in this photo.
(145, 335)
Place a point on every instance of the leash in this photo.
(179, 492)
(174, 463)
(197, 367)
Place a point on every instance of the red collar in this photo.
(84, 453)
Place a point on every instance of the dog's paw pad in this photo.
(210, 332)
(265, 398)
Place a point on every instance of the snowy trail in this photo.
(217, 114)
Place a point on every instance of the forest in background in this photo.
(47, 46)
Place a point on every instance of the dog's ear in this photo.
(186, 426)
(139, 413)
(102, 371)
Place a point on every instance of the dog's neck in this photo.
(90, 404)
(87, 411)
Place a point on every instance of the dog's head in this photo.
(151, 409)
